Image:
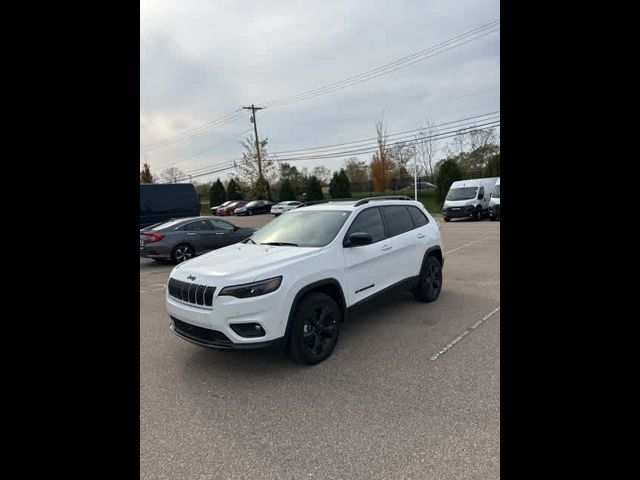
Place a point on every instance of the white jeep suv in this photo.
(293, 282)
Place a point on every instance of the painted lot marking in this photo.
(466, 245)
(449, 345)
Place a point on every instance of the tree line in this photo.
(473, 152)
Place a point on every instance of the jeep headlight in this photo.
(253, 289)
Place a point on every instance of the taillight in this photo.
(155, 236)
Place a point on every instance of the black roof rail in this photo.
(328, 200)
(386, 197)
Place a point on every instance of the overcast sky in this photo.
(201, 60)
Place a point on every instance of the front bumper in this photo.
(459, 212)
(211, 325)
(213, 339)
(494, 211)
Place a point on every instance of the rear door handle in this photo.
(421, 235)
(191, 234)
(386, 247)
(219, 233)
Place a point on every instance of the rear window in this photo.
(398, 219)
(419, 218)
(169, 224)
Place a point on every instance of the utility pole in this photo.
(253, 109)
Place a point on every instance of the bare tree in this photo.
(458, 144)
(323, 174)
(426, 147)
(402, 153)
(483, 145)
(172, 175)
(357, 170)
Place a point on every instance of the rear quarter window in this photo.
(398, 219)
(419, 218)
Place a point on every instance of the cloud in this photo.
(200, 60)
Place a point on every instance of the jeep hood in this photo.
(241, 261)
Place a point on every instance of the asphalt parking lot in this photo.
(412, 390)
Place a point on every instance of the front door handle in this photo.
(386, 247)
(219, 233)
(421, 235)
(191, 234)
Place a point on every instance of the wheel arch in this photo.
(329, 286)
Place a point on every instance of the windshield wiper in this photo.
(280, 244)
(249, 240)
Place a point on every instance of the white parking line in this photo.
(464, 334)
(466, 245)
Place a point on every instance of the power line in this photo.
(367, 143)
(449, 133)
(302, 150)
(188, 157)
(192, 132)
(403, 62)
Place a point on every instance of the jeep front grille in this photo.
(192, 293)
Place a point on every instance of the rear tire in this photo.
(430, 280)
(447, 219)
(182, 253)
(315, 328)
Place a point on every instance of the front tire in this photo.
(478, 215)
(315, 328)
(447, 219)
(182, 253)
(430, 281)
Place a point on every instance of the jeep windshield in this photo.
(302, 228)
(496, 192)
(464, 193)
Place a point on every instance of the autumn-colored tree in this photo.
(382, 164)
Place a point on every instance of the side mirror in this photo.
(357, 239)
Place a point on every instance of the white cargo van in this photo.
(494, 202)
(468, 198)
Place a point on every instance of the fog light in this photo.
(248, 329)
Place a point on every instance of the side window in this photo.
(221, 225)
(197, 226)
(398, 219)
(419, 218)
(369, 221)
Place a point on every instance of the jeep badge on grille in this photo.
(191, 277)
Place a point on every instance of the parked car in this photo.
(255, 207)
(468, 199)
(162, 202)
(494, 202)
(282, 207)
(294, 280)
(222, 205)
(229, 209)
(181, 239)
